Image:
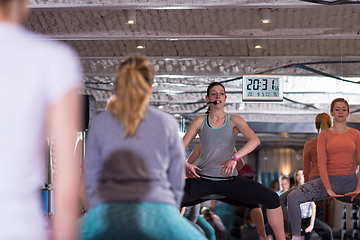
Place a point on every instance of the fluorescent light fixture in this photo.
(265, 15)
(168, 91)
(130, 16)
(178, 84)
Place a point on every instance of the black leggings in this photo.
(237, 191)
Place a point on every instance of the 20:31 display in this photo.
(261, 84)
(259, 87)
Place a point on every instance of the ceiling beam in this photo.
(117, 36)
(206, 58)
(165, 5)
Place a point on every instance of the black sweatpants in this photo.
(238, 191)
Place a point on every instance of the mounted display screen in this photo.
(262, 88)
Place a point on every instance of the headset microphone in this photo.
(214, 102)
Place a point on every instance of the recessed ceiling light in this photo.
(140, 44)
(265, 15)
(258, 43)
(130, 16)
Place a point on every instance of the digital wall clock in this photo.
(262, 88)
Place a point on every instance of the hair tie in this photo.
(324, 120)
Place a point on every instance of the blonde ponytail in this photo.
(110, 103)
(322, 121)
(324, 125)
(133, 90)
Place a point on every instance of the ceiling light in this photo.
(265, 15)
(130, 16)
(140, 44)
(258, 43)
(170, 92)
(241, 106)
(285, 170)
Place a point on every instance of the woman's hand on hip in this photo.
(353, 194)
(228, 167)
(190, 170)
(333, 195)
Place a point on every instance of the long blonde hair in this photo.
(111, 101)
(133, 89)
(322, 121)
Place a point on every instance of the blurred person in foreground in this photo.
(45, 76)
(134, 165)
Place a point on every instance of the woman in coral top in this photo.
(310, 162)
(336, 148)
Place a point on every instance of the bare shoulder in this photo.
(237, 121)
(239, 125)
(235, 117)
(199, 119)
(197, 122)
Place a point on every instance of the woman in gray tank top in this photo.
(215, 174)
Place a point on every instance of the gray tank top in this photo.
(217, 145)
